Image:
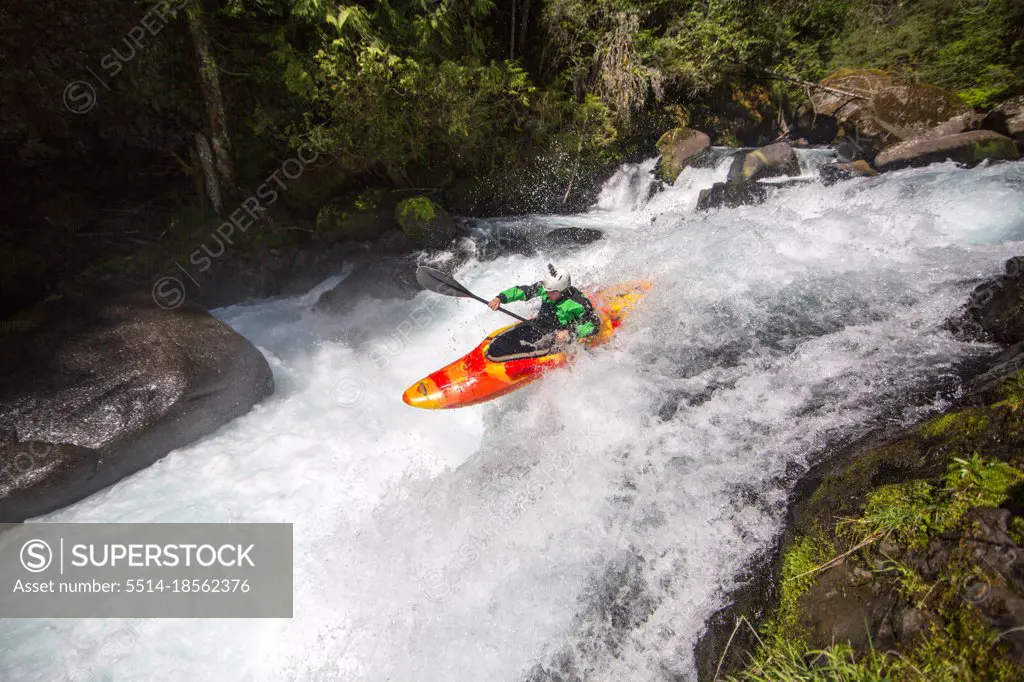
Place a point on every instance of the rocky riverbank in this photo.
(903, 555)
(97, 390)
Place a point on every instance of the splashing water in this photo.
(595, 519)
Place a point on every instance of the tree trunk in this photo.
(512, 38)
(209, 82)
(524, 10)
(198, 171)
(209, 172)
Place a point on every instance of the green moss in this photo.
(1012, 391)
(964, 424)
(966, 648)
(903, 511)
(424, 222)
(908, 581)
(959, 643)
(977, 482)
(417, 208)
(370, 199)
(353, 217)
(846, 72)
(996, 148)
(911, 513)
(1017, 529)
(799, 564)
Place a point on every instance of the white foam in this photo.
(463, 545)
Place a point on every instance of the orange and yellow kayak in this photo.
(474, 378)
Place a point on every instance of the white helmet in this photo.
(557, 278)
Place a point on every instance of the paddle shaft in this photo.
(500, 309)
(438, 282)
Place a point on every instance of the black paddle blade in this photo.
(436, 281)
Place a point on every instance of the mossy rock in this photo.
(887, 543)
(679, 148)
(362, 216)
(771, 161)
(732, 195)
(424, 222)
(882, 106)
(1012, 111)
(968, 149)
(836, 172)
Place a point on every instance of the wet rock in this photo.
(879, 105)
(842, 607)
(424, 222)
(239, 275)
(772, 161)
(102, 389)
(988, 386)
(1012, 111)
(380, 279)
(572, 236)
(679, 148)
(968, 149)
(394, 241)
(999, 590)
(752, 600)
(995, 310)
(814, 128)
(966, 122)
(503, 240)
(731, 195)
(912, 624)
(836, 172)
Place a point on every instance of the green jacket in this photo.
(573, 311)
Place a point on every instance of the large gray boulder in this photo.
(425, 223)
(837, 172)
(813, 128)
(772, 161)
(97, 391)
(567, 237)
(995, 311)
(381, 279)
(1012, 111)
(876, 104)
(731, 195)
(968, 149)
(962, 123)
(679, 148)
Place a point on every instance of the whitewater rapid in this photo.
(594, 520)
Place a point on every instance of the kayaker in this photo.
(565, 313)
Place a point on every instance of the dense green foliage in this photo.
(489, 107)
(400, 86)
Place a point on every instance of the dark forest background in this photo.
(127, 127)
